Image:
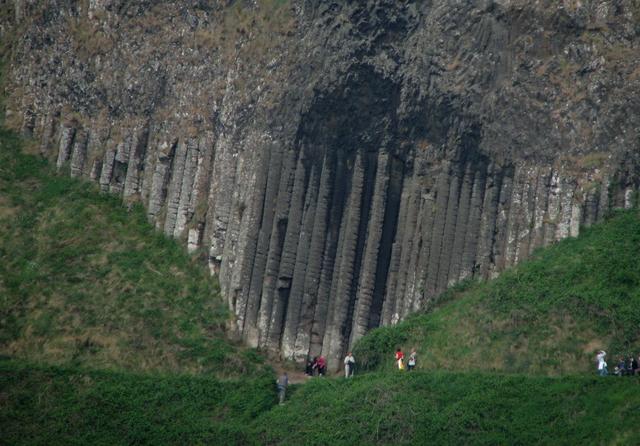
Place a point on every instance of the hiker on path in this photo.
(321, 365)
(400, 359)
(412, 360)
(282, 383)
(632, 365)
(602, 364)
(349, 365)
(309, 367)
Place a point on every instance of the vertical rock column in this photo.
(135, 166)
(160, 180)
(79, 153)
(278, 234)
(367, 281)
(248, 319)
(468, 264)
(337, 333)
(283, 296)
(311, 286)
(175, 187)
(186, 189)
(201, 184)
(67, 136)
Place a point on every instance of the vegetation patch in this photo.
(62, 406)
(456, 408)
(86, 282)
(548, 315)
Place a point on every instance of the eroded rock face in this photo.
(340, 165)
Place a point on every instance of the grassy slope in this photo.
(51, 405)
(451, 408)
(42, 405)
(546, 316)
(85, 282)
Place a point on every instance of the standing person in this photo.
(349, 365)
(412, 360)
(282, 383)
(621, 369)
(308, 370)
(321, 364)
(602, 364)
(634, 366)
(400, 359)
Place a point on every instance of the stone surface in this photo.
(339, 164)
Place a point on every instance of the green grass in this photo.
(548, 315)
(457, 408)
(85, 282)
(66, 406)
(69, 406)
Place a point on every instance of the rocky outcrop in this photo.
(339, 165)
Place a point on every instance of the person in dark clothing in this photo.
(308, 370)
(632, 365)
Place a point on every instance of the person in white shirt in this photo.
(349, 365)
(602, 364)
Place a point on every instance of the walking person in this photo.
(412, 360)
(321, 365)
(632, 365)
(349, 365)
(282, 383)
(602, 364)
(621, 368)
(400, 359)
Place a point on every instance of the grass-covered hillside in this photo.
(47, 405)
(110, 334)
(446, 408)
(70, 406)
(84, 282)
(548, 315)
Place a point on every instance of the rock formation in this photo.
(339, 164)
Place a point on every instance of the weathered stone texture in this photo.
(339, 164)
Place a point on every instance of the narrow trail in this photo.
(295, 376)
(296, 373)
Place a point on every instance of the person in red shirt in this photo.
(321, 365)
(400, 359)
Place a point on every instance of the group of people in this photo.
(625, 367)
(411, 363)
(316, 366)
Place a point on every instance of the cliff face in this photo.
(339, 164)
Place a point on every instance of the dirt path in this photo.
(295, 376)
(295, 372)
